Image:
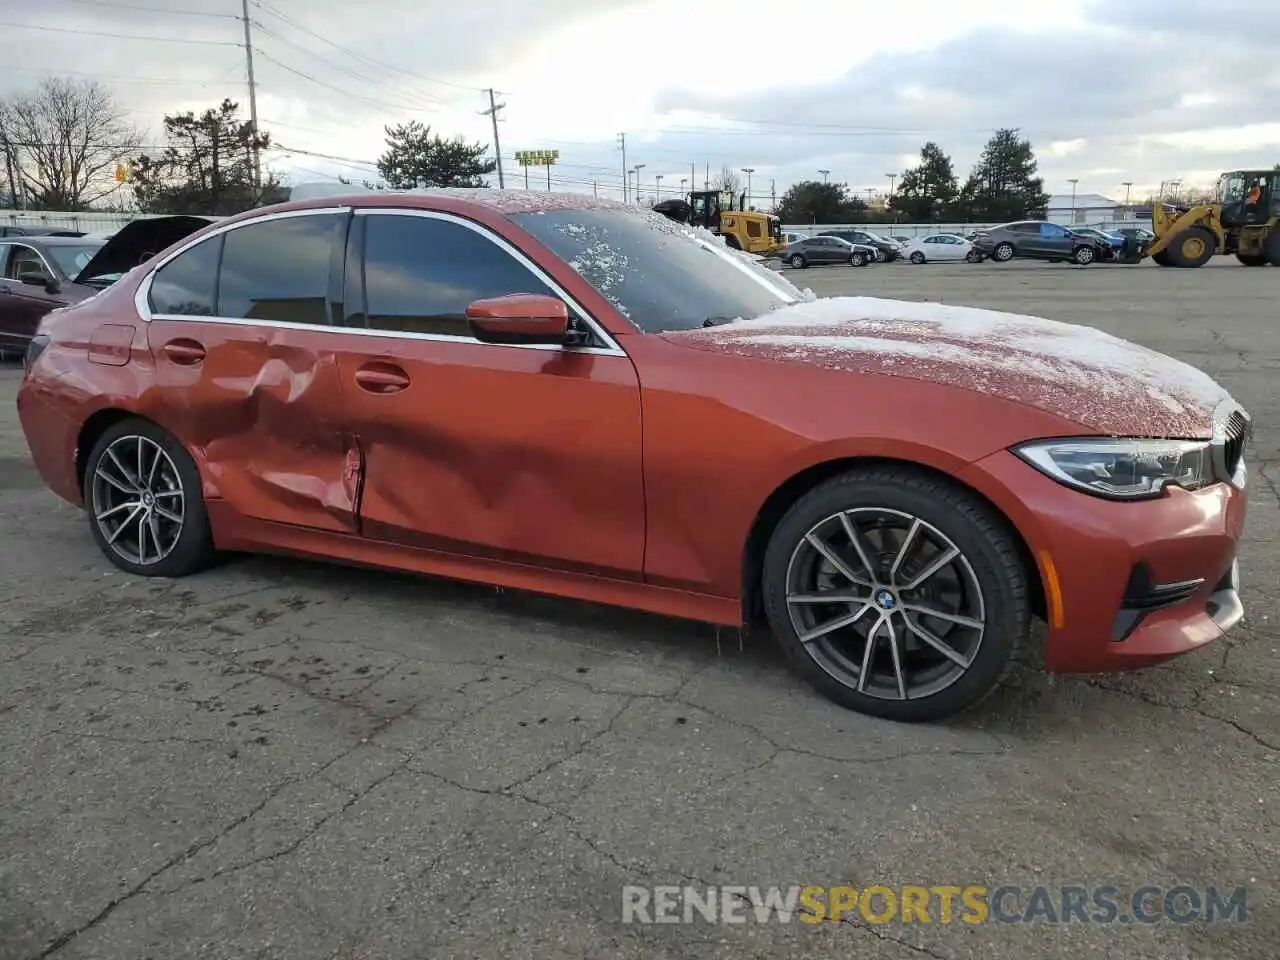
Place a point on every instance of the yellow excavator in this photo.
(1244, 219)
(726, 216)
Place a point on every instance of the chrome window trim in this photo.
(10, 242)
(142, 295)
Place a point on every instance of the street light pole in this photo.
(683, 181)
(825, 174)
(638, 168)
(892, 177)
(748, 171)
(1128, 185)
(657, 178)
(1073, 181)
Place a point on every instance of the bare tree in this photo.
(64, 141)
(726, 179)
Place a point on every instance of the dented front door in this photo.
(514, 453)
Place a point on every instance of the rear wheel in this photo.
(1192, 247)
(917, 257)
(1003, 252)
(1253, 259)
(143, 498)
(896, 594)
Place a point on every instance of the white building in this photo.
(1087, 208)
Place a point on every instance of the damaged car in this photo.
(582, 398)
(44, 272)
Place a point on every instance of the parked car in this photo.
(1037, 240)
(886, 250)
(40, 273)
(290, 380)
(1111, 243)
(17, 230)
(790, 238)
(826, 250)
(937, 246)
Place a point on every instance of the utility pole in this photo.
(253, 94)
(1128, 185)
(595, 188)
(773, 193)
(693, 180)
(706, 184)
(626, 177)
(492, 113)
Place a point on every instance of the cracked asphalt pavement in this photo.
(282, 759)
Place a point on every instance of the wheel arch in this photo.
(98, 423)
(792, 489)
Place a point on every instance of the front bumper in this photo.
(1126, 585)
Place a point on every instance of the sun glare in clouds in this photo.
(601, 75)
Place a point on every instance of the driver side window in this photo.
(26, 262)
(420, 273)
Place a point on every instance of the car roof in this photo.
(38, 240)
(448, 199)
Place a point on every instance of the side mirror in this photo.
(40, 280)
(520, 318)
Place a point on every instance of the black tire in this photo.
(917, 257)
(881, 256)
(1083, 255)
(858, 259)
(1162, 258)
(986, 546)
(732, 242)
(1272, 247)
(1253, 259)
(1192, 247)
(1003, 252)
(797, 262)
(192, 550)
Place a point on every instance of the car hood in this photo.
(1106, 385)
(136, 242)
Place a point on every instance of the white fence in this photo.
(93, 221)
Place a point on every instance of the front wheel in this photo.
(917, 258)
(858, 259)
(897, 594)
(144, 502)
(796, 261)
(1083, 255)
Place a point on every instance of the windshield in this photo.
(72, 259)
(659, 274)
(1232, 186)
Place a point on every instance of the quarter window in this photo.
(186, 285)
(420, 274)
(278, 270)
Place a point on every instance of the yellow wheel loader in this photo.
(742, 229)
(1244, 219)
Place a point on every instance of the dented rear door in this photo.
(245, 360)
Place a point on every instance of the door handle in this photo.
(381, 378)
(184, 352)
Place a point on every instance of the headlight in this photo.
(1133, 469)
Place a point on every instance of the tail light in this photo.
(34, 348)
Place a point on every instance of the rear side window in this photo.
(278, 270)
(186, 285)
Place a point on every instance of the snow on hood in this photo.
(1072, 371)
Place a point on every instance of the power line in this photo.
(117, 36)
(147, 9)
(382, 105)
(275, 12)
(336, 66)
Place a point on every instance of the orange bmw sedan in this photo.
(582, 398)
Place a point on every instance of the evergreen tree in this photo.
(416, 158)
(927, 188)
(812, 201)
(1004, 185)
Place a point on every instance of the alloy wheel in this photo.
(137, 500)
(885, 603)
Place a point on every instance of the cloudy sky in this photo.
(1107, 90)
